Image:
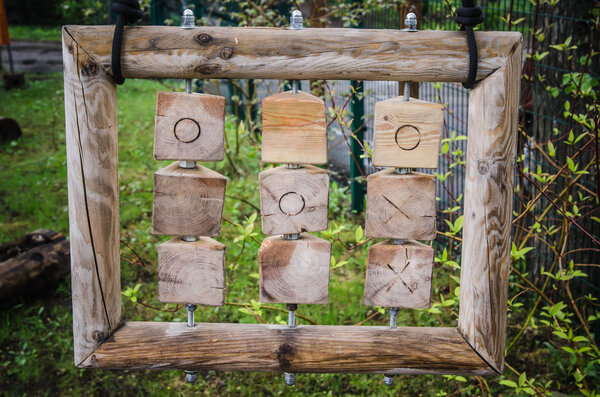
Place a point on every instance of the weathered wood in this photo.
(493, 120)
(294, 271)
(92, 165)
(189, 127)
(294, 200)
(294, 129)
(276, 348)
(407, 133)
(399, 275)
(400, 205)
(191, 271)
(188, 201)
(35, 270)
(272, 53)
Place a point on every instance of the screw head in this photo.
(289, 378)
(411, 22)
(389, 379)
(191, 376)
(296, 20)
(188, 21)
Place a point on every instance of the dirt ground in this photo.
(33, 56)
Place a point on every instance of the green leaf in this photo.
(358, 233)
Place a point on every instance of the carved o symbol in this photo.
(186, 130)
(291, 203)
(408, 131)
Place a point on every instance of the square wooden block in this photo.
(407, 134)
(294, 129)
(188, 202)
(400, 205)
(399, 275)
(189, 127)
(191, 272)
(294, 200)
(294, 271)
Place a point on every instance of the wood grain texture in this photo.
(399, 275)
(294, 129)
(92, 166)
(191, 271)
(188, 201)
(189, 127)
(407, 134)
(277, 348)
(400, 205)
(493, 120)
(272, 53)
(294, 200)
(294, 271)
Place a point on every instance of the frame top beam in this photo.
(276, 53)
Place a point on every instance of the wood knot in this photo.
(70, 48)
(203, 38)
(93, 357)
(483, 167)
(226, 53)
(208, 69)
(89, 69)
(285, 352)
(97, 336)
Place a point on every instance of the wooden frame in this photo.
(476, 347)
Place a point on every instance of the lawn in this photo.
(35, 332)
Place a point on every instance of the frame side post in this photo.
(491, 146)
(91, 136)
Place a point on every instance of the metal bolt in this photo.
(406, 91)
(296, 20)
(189, 239)
(188, 164)
(294, 87)
(404, 171)
(389, 379)
(393, 317)
(188, 21)
(190, 309)
(396, 241)
(291, 236)
(293, 166)
(292, 307)
(289, 378)
(191, 376)
(411, 22)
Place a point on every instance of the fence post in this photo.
(357, 107)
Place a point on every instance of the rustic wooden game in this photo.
(294, 265)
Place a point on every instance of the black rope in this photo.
(468, 16)
(128, 11)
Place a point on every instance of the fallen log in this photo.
(34, 263)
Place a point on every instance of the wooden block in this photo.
(399, 275)
(191, 272)
(294, 200)
(188, 201)
(294, 129)
(189, 127)
(400, 205)
(294, 271)
(407, 134)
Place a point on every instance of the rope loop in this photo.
(128, 11)
(468, 16)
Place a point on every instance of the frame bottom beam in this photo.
(278, 348)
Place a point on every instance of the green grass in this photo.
(35, 333)
(39, 33)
